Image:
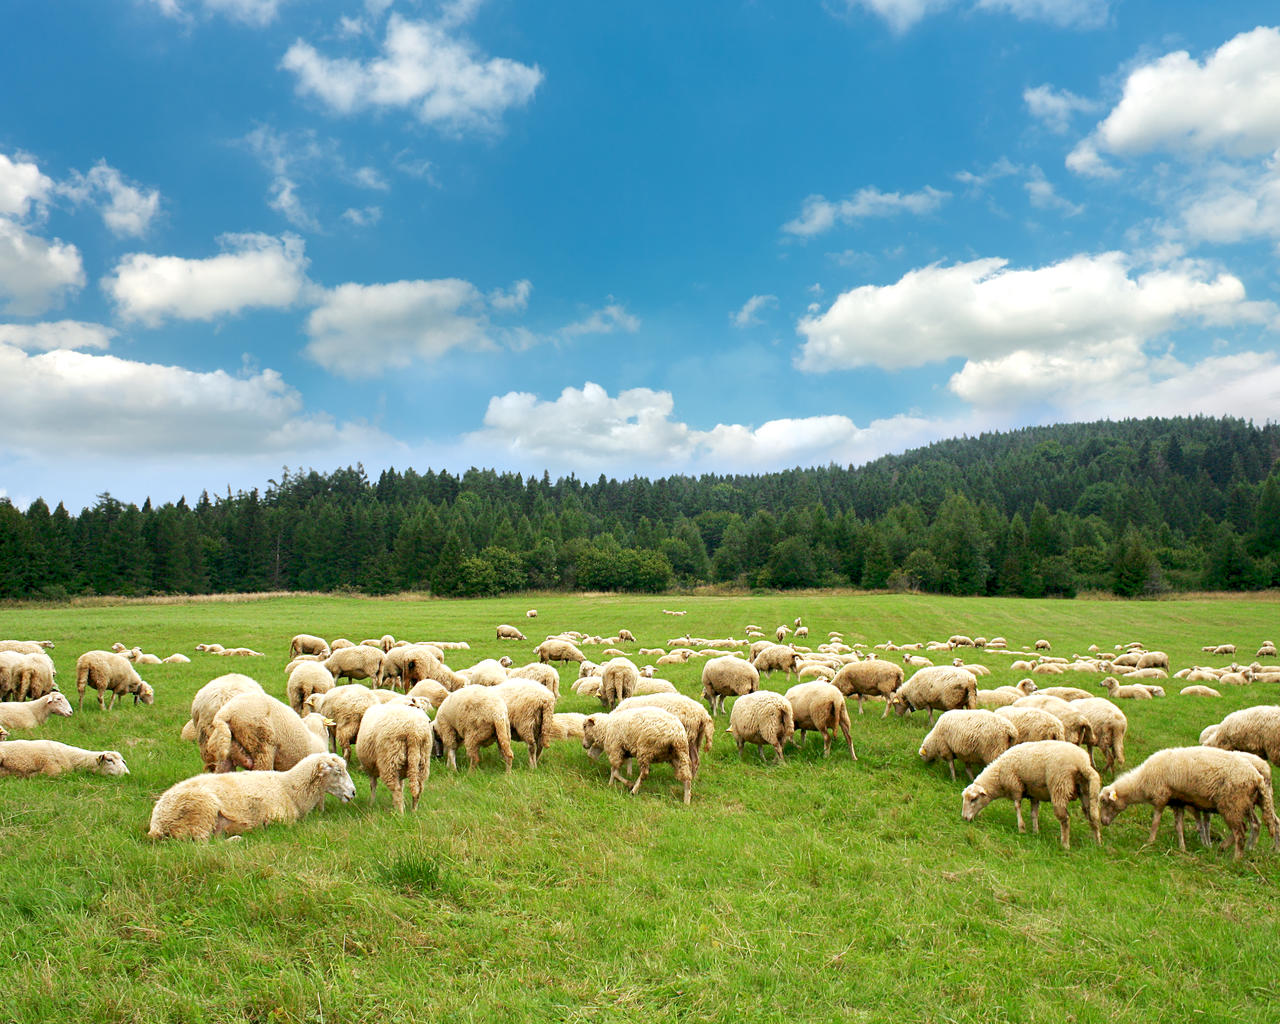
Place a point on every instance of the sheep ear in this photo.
(329, 723)
(102, 759)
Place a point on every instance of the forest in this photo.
(1136, 507)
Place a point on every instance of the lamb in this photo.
(210, 648)
(105, 671)
(305, 643)
(476, 717)
(1108, 725)
(1202, 777)
(820, 707)
(506, 632)
(394, 745)
(1033, 724)
(1198, 690)
(777, 658)
(1046, 770)
(916, 661)
(618, 681)
(698, 723)
(139, 657)
(307, 678)
(531, 709)
(1254, 730)
(33, 713)
(864, 679)
(1136, 691)
(258, 732)
(25, 758)
(972, 737)
(345, 705)
(208, 805)
(558, 650)
(764, 718)
(938, 688)
(643, 734)
(727, 677)
(355, 663)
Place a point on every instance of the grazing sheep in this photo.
(259, 733)
(1108, 725)
(780, 634)
(1254, 730)
(727, 677)
(394, 745)
(820, 707)
(1197, 690)
(208, 805)
(108, 672)
(33, 713)
(25, 758)
(764, 718)
(1074, 723)
(1267, 650)
(1043, 645)
(698, 723)
(644, 734)
(938, 688)
(1220, 649)
(1033, 724)
(402, 666)
(777, 658)
(307, 678)
(1202, 777)
(1046, 770)
(476, 717)
(567, 725)
(531, 710)
(30, 676)
(506, 632)
(626, 636)
(1004, 696)
(558, 650)
(618, 681)
(429, 688)
(958, 640)
(864, 679)
(532, 613)
(345, 706)
(360, 662)
(972, 737)
(305, 643)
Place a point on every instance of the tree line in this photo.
(1137, 507)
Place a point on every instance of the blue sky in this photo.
(618, 238)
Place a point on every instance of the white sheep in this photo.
(531, 710)
(207, 702)
(539, 673)
(307, 677)
(727, 677)
(1032, 724)
(698, 724)
(476, 717)
(345, 706)
(488, 672)
(938, 688)
(971, 737)
(32, 714)
(394, 745)
(109, 673)
(776, 658)
(873, 678)
(532, 613)
(1255, 730)
(618, 681)
(646, 735)
(1047, 770)
(505, 632)
(764, 718)
(208, 805)
(1199, 690)
(360, 662)
(1116, 691)
(259, 733)
(558, 650)
(25, 758)
(1074, 723)
(820, 707)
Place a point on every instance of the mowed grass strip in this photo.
(811, 891)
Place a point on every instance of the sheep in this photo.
(399, 666)
(207, 702)
(1117, 692)
(26, 676)
(764, 718)
(938, 688)
(241, 652)
(1220, 649)
(972, 737)
(1074, 723)
(33, 713)
(307, 678)
(780, 634)
(345, 705)
(864, 679)
(421, 662)
(727, 677)
(1023, 666)
(626, 636)
(394, 745)
(429, 688)
(1067, 693)
(532, 613)
(589, 687)
(4, 734)
(1047, 669)
(305, 643)
(1197, 690)
(1201, 777)
(359, 662)
(776, 658)
(208, 805)
(1043, 645)
(1254, 730)
(531, 709)
(675, 658)
(618, 681)
(539, 673)
(1154, 659)
(260, 733)
(105, 671)
(340, 643)
(11, 667)
(1108, 725)
(958, 640)
(820, 707)
(1267, 650)
(698, 724)
(25, 758)
(643, 734)
(25, 646)
(488, 672)
(1032, 724)
(176, 659)
(558, 650)
(210, 648)
(649, 685)
(476, 717)
(1045, 770)
(505, 632)
(567, 725)
(916, 661)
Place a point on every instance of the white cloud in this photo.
(126, 208)
(514, 300)
(250, 12)
(983, 310)
(606, 320)
(363, 217)
(1002, 168)
(443, 80)
(746, 316)
(68, 334)
(282, 196)
(1085, 159)
(819, 214)
(369, 177)
(35, 274)
(903, 14)
(365, 330)
(1055, 107)
(1069, 375)
(255, 271)
(1041, 193)
(22, 186)
(1236, 204)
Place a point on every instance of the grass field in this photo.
(818, 890)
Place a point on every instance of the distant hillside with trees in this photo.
(1137, 507)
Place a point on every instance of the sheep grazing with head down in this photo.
(259, 733)
(539, 673)
(727, 677)
(305, 643)
(938, 688)
(1032, 724)
(505, 632)
(874, 678)
(345, 706)
(618, 681)
(1108, 726)
(531, 710)
(429, 688)
(1074, 724)
(777, 658)
(474, 716)
(109, 673)
(27, 758)
(394, 746)
(558, 650)
(763, 718)
(970, 737)
(1255, 730)
(698, 724)
(307, 677)
(360, 662)
(1047, 770)
(209, 805)
(32, 714)
(820, 707)
(646, 735)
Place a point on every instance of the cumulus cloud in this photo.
(53, 334)
(35, 274)
(903, 14)
(1055, 107)
(1235, 204)
(22, 187)
(126, 208)
(443, 80)
(253, 272)
(983, 310)
(747, 316)
(606, 320)
(819, 214)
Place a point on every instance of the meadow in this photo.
(816, 890)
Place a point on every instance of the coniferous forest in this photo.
(1137, 507)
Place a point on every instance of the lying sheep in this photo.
(650, 684)
(1198, 690)
(863, 679)
(727, 677)
(618, 681)
(259, 733)
(359, 662)
(532, 613)
(820, 707)
(505, 632)
(698, 723)
(646, 735)
(208, 805)
(1116, 691)
(394, 745)
(531, 710)
(1047, 770)
(474, 716)
(1202, 777)
(558, 650)
(32, 714)
(1255, 730)
(1032, 724)
(970, 737)
(1003, 696)
(177, 659)
(206, 704)
(938, 688)
(764, 718)
(307, 678)
(108, 672)
(1067, 693)
(25, 758)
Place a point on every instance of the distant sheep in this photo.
(777, 658)
(305, 643)
(532, 613)
(109, 673)
(558, 650)
(505, 632)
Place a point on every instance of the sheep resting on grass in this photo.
(25, 758)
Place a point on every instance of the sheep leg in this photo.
(1178, 814)
(693, 754)
(397, 792)
(473, 752)
(1035, 815)
(778, 747)
(951, 763)
(1064, 822)
(1202, 826)
(373, 788)
(1236, 822)
(1155, 823)
(859, 703)
(848, 738)
(451, 755)
(1017, 803)
(740, 746)
(644, 774)
(826, 742)
(968, 771)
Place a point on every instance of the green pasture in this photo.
(818, 890)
